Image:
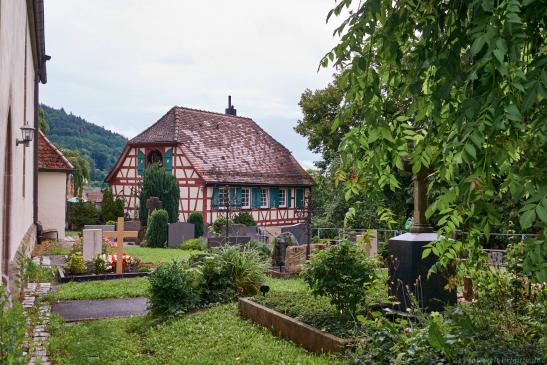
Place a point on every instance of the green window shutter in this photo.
(299, 198)
(289, 197)
(239, 194)
(140, 163)
(274, 197)
(216, 197)
(255, 197)
(168, 160)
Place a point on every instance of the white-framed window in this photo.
(245, 198)
(222, 197)
(264, 195)
(282, 198)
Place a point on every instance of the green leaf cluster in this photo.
(469, 81)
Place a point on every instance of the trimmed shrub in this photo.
(156, 232)
(219, 225)
(194, 244)
(12, 331)
(161, 184)
(263, 249)
(196, 218)
(174, 289)
(245, 218)
(343, 273)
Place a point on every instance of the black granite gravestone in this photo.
(408, 273)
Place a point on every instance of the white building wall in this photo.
(52, 201)
(17, 99)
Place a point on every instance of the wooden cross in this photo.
(119, 234)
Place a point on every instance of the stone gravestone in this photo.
(281, 243)
(179, 232)
(369, 241)
(93, 243)
(152, 204)
(133, 226)
(103, 227)
(300, 231)
(234, 230)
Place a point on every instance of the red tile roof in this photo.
(49, 157)
(225, 148)
(96, 196)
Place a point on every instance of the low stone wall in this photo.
(301, 333)
(295, 256)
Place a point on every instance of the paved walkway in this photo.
(82, 310)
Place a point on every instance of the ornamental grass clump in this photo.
(342, 273)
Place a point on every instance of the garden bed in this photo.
(276, 273)
(66, 277)
(299, 332)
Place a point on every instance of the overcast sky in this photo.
(123, 64)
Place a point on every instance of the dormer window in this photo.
(154, 156)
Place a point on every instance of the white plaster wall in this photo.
(14, 40)
(52, 201)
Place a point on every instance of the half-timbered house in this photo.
(221, 161)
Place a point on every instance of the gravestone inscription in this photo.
(93, 240)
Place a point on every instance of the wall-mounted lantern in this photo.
(27, 133)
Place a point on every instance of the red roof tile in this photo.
(226, 149)
(49, 157)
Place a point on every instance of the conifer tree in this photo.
(159, 183)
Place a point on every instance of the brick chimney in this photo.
(230, 110)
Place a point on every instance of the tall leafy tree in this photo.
(161, 184)
(80, 175)
(469, 78)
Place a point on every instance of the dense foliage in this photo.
(245, 218)
(174, 289)
(343, 273)
(219, 225)
(218, 277)
(195, 244)
(196, 218)
(98, 146)
(79, 177)
(160, 184)
(12, 331)
(82, 213)
(111, 209)
(265, 250)
(456, 90)
(157, 230)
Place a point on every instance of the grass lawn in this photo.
(157, 255)
(102, 289)
(215, 336)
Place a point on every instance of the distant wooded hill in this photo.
(98, 145)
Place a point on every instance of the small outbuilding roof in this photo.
(225, 148)
(49, 157)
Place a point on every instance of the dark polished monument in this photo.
(407, 270)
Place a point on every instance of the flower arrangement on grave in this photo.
(129, 262)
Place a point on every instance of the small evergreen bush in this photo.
(196, 218)
(194, 244)
(174, 289)
(343, 273)
(99, 265)
(219, 225)
(245, 218)
(82, 213)
(76, 263)
(156, 232)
